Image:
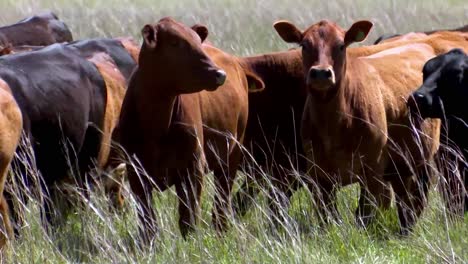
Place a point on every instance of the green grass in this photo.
(95, 235)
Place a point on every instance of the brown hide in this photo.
(272, 135)
(414, 35)
(441, 42)
(11, 126)
(356, 125)
(178, 118)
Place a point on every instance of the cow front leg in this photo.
(142, 189)
(188, 190)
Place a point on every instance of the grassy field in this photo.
(95, 234)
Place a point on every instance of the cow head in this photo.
(445, 87)
(323, 51)
(173, 53)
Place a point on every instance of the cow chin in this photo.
(212, 88)
(322, 86)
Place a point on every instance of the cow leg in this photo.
(374, 193)
(224, 180)
(282, 188)
(7, 229)
(142, 189)
(189, 189)
(324, 195)
(411, 198)
(246, 195)
(87, 157)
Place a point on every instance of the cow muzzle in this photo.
(216, 77)
(220, 77)
(321, 77)
(420, 104)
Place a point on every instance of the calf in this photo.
(39, 30)
(356, 125)
(177, 117)
(442, 95)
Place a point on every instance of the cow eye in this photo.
(175, 43)
(304, 44)
(341, 46)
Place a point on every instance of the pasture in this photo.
(97, 234)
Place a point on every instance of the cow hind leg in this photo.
(88, 156)
(224, 181)
(411, 197)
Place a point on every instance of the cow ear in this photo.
(255, 83)
(201, 30)
(288, 31)
(357, 32)
(149, 35)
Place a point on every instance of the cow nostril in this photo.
(327, 74)
(220, 77)
(313, 74)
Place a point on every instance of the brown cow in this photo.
(177, 117)
(274, 143)
(271, 139)
(356, 125)
(12, 124)
(39, 30)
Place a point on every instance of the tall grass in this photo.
(94, 233)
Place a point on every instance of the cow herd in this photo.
(324, 115)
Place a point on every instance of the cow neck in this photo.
(155, 99)
(284, 63)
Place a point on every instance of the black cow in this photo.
(43, 29)
(86, 48)
(63, 99)
(113, 47)
(443, 95)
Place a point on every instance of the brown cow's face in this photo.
(175, 52)
(323, 51)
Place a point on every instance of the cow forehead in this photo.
(444, 63)
(324, 31)
(176, 29)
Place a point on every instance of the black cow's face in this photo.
(445, 88)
